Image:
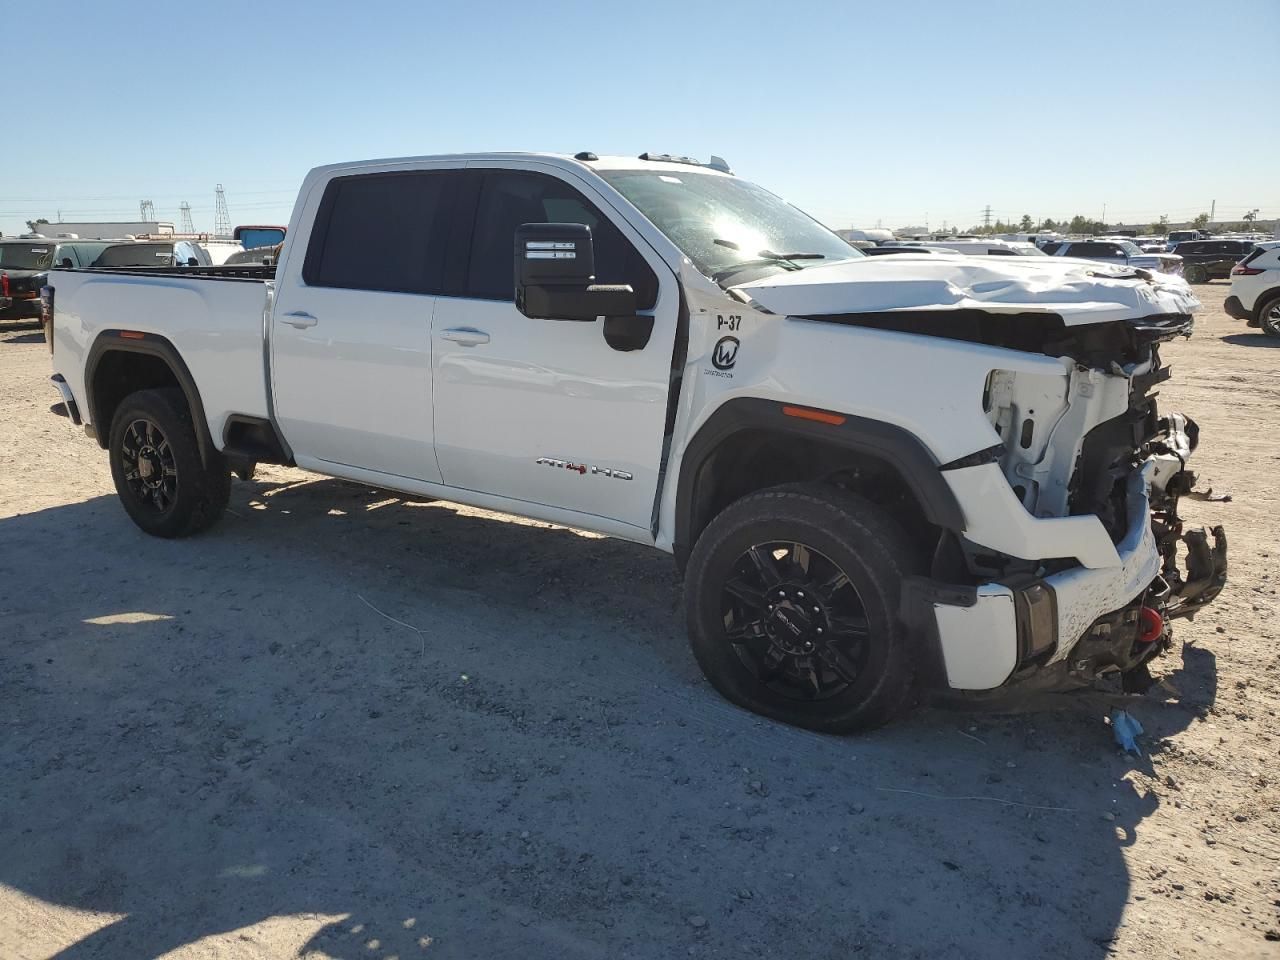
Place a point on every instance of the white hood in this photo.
(1079, 291)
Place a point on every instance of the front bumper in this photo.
(993, 637)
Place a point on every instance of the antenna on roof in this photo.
(719, 163)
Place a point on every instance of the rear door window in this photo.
(511, 198)
(382, 231)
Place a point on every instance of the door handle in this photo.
(299, 319)
(467, 336)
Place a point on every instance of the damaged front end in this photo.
(1129, 471)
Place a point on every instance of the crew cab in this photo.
(1119, 252)
(876, 474)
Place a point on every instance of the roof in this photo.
(564, 161)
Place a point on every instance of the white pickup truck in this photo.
(878, 475)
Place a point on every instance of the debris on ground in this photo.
(1126, 729)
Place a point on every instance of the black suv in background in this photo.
(1205, 260)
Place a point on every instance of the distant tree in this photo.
(1251, 216)
(1025, 223)
(1162, 225)
(33, 225)
(1079, 224)
(1048, 223)
(1201, 221)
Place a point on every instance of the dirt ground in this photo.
(225, 747)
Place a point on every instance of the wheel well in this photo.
(755, 459)
(119, 373)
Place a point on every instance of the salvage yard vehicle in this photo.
(153, 253)
(1205, 260)
(876, 474)
(24, 269)
(1255, 289)
(1120, 252)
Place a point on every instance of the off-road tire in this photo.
(875, 555)
(1269, 316)
(200, 492)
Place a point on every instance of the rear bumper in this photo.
(17, 308)
(67, 406)
(1063, 630)
(1234, 308)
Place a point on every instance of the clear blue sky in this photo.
(855, 111)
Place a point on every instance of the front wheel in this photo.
(792, 599)
(1196, 274)
(163, 484)
(1269, 316)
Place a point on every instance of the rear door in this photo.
(351, 344)
(545, 411)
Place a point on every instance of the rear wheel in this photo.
(165, 487)
(1196, 274)
(792, 597)
(1269, 316)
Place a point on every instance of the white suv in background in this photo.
(1255, 289)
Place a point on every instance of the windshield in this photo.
(1130, 249)
(1030, 250)
(27, 255)
(722, 222)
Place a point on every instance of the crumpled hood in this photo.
(1079, 291)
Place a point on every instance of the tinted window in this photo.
(1187, 247)
(509, 199)
(1001, 252)
(136, 255)
(1051, 247)
(1094, 250)
(384, 231)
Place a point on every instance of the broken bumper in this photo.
(996, 636)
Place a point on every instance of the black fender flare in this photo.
(152, 345)
(898, 447)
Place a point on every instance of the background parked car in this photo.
(1255, 288)
(1124, 252)
(1205, 260)
(154, 253)
(24, 269)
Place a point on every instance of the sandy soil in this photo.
(219, 748)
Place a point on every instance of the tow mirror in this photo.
(555, 275)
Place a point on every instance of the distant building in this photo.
(107, 230)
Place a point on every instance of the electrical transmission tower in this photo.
(986, 215)
(221, 218)
(146, 211)
(184, 210)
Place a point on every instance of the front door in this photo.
(351, 345)
(545, 411)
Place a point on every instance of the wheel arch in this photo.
(122, 361)
(750, 443)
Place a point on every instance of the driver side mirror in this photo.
(555, 275)
(66, 263)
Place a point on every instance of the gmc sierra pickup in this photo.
(881, 474)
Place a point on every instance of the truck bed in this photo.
(213, 317)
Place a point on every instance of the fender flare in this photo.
(898, 447)
(151, 345)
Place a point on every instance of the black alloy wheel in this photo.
(792, 596)
(795, 620)
(150, 469)
(164, 484)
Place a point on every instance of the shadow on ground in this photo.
(203, 734)
(1252, 340)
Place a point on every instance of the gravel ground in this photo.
(225, 747)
